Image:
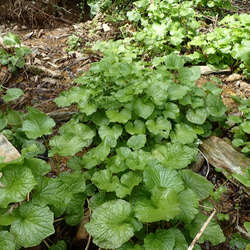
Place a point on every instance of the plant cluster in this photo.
(145, 124)
(139, 126)
(74, 41)
(241, 125)
(28, 204)
(227, 46)
(15, 57)
(142, 125)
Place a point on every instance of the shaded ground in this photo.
(43, 13)
(45, 27)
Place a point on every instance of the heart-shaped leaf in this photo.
(33, 225)
(37, 124)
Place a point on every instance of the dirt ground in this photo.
(45, 26)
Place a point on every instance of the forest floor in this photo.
(55, 63)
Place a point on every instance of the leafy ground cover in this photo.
(139, 122)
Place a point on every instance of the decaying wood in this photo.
(7, 150)
(205, 70)
(225, 157)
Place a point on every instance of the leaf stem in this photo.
(45, 142)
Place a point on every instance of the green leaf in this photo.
(215, 106)
(13, 117)
(7, 241)
(37, 166)
(34, 224)
(197, 102)
(119, 116)
(138, 159)
(189, 205)
(17, 181)
(127, 182)
(116, 164)
(95, 156)
(136, 141)
(37, 124)
(88, 108)
(75, 181)
(97, 199)
(242, 51)
(158, 94)
(100, 118)
(11, 40)
(180, 241)
(7, 218)
(237, 242)
(244, 178)
(39, 148)
(177, 92)
(22, 51)
(161, 239)
(185, 74)
(75, 209)
(60, 245)
(160, 127)
(235, 119)
(143, 109)
(213, 89)
(12, 94)
(104, 180)
(75, 163)
(183, 134)
(173, 62)
(157, 175)
(129, 246)
(171, 110)
(109, 225)
(212, 233)
(163, 205)
(66, 144)
(107, 131)
(197, 116)
(74, 137)
(238, 142)
(134, 15)
(246, 126)
(51, 191)
(174, 155)
(136, 127)
(74, 95)
(247, 226)
(3, 122)
(79, 129)
(197, 183)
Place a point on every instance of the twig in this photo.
(60, 219)
(46, 243)
(198, 235)
(87, 246)
(208, 168)
(241, 230)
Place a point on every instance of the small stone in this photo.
(105, 27)
(233, 77)
(244, 85)
(8, 150)
(27, 36)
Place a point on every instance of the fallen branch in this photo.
(198, 235)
